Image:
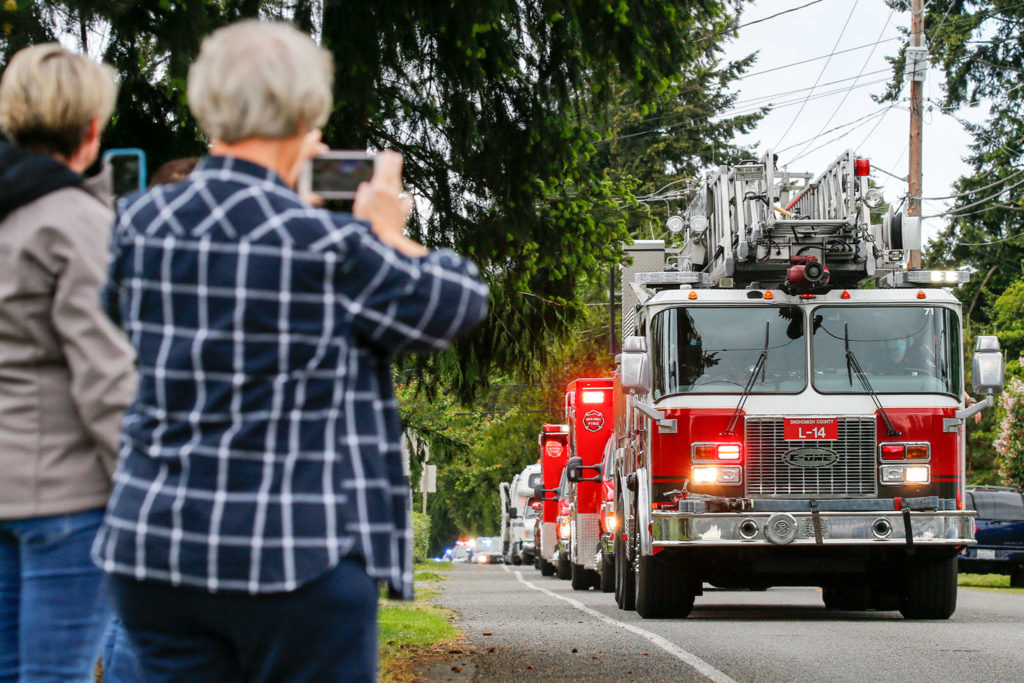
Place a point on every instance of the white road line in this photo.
(708, 671)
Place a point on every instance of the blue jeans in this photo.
(120, 664)
(53, 605)
(326, 630)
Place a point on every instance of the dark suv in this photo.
(1000, 533)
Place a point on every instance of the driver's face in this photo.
(896, 348)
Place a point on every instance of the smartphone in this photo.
(128, 169)
(336, 174)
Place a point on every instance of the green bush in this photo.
(420, 537)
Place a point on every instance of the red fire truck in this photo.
(588, 411)
(607, 522)
(776, 423)
(554, 452)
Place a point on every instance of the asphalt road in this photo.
(522, 626)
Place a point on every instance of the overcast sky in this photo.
(841, 101)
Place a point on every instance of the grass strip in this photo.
(410, 631)
(999, 582)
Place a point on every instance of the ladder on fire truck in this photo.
(752, 222)
(754, 225)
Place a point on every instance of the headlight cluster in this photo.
(563, 528)
(611, 522)
(907, 471)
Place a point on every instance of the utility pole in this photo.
(914, 177)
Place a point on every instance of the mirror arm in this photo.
(664, 426)
(950, 424)
(649, 411)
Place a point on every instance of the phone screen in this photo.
(126, 174)
(335, 177)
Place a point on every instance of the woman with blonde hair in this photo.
(66, 371)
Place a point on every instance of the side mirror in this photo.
(574, 470)
(538, 492)
(988, 366)
(636, 370)
(513, 513)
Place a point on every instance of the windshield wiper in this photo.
(759, 366)
(852, 366)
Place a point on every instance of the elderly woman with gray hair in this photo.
(260, 495)
(66, 371)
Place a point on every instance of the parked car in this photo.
(1000, 533)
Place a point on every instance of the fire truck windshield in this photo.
(902, 349)
(713, 350)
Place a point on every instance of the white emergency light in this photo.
(669, 277)
(916, 278)
(675, 224)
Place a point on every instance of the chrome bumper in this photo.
(678, 529)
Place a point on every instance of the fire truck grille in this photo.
(852, 474)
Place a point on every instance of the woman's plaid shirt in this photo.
(263, 445)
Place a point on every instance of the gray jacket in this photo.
(66, 371)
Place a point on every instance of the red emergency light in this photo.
(730, 452)
(861, 167)
(894, 452)
(555, 429)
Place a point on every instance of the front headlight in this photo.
(905, 474)
(717, 474)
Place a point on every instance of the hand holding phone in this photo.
(382, 202)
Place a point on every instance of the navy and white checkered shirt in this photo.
(263, 445)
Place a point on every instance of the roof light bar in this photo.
(916, 278)
(671, 277)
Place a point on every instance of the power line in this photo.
(773, 69)
(843, 101)
(778, 14)
(735, 112)
(760, 98)
(958, 210)
(975, 190)
(822, 73)
(986, 244)
(838, 137)
(875, 127)
(752, 100)
(736, 27)
(832, 130)
(888, 173)
(816, 59)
